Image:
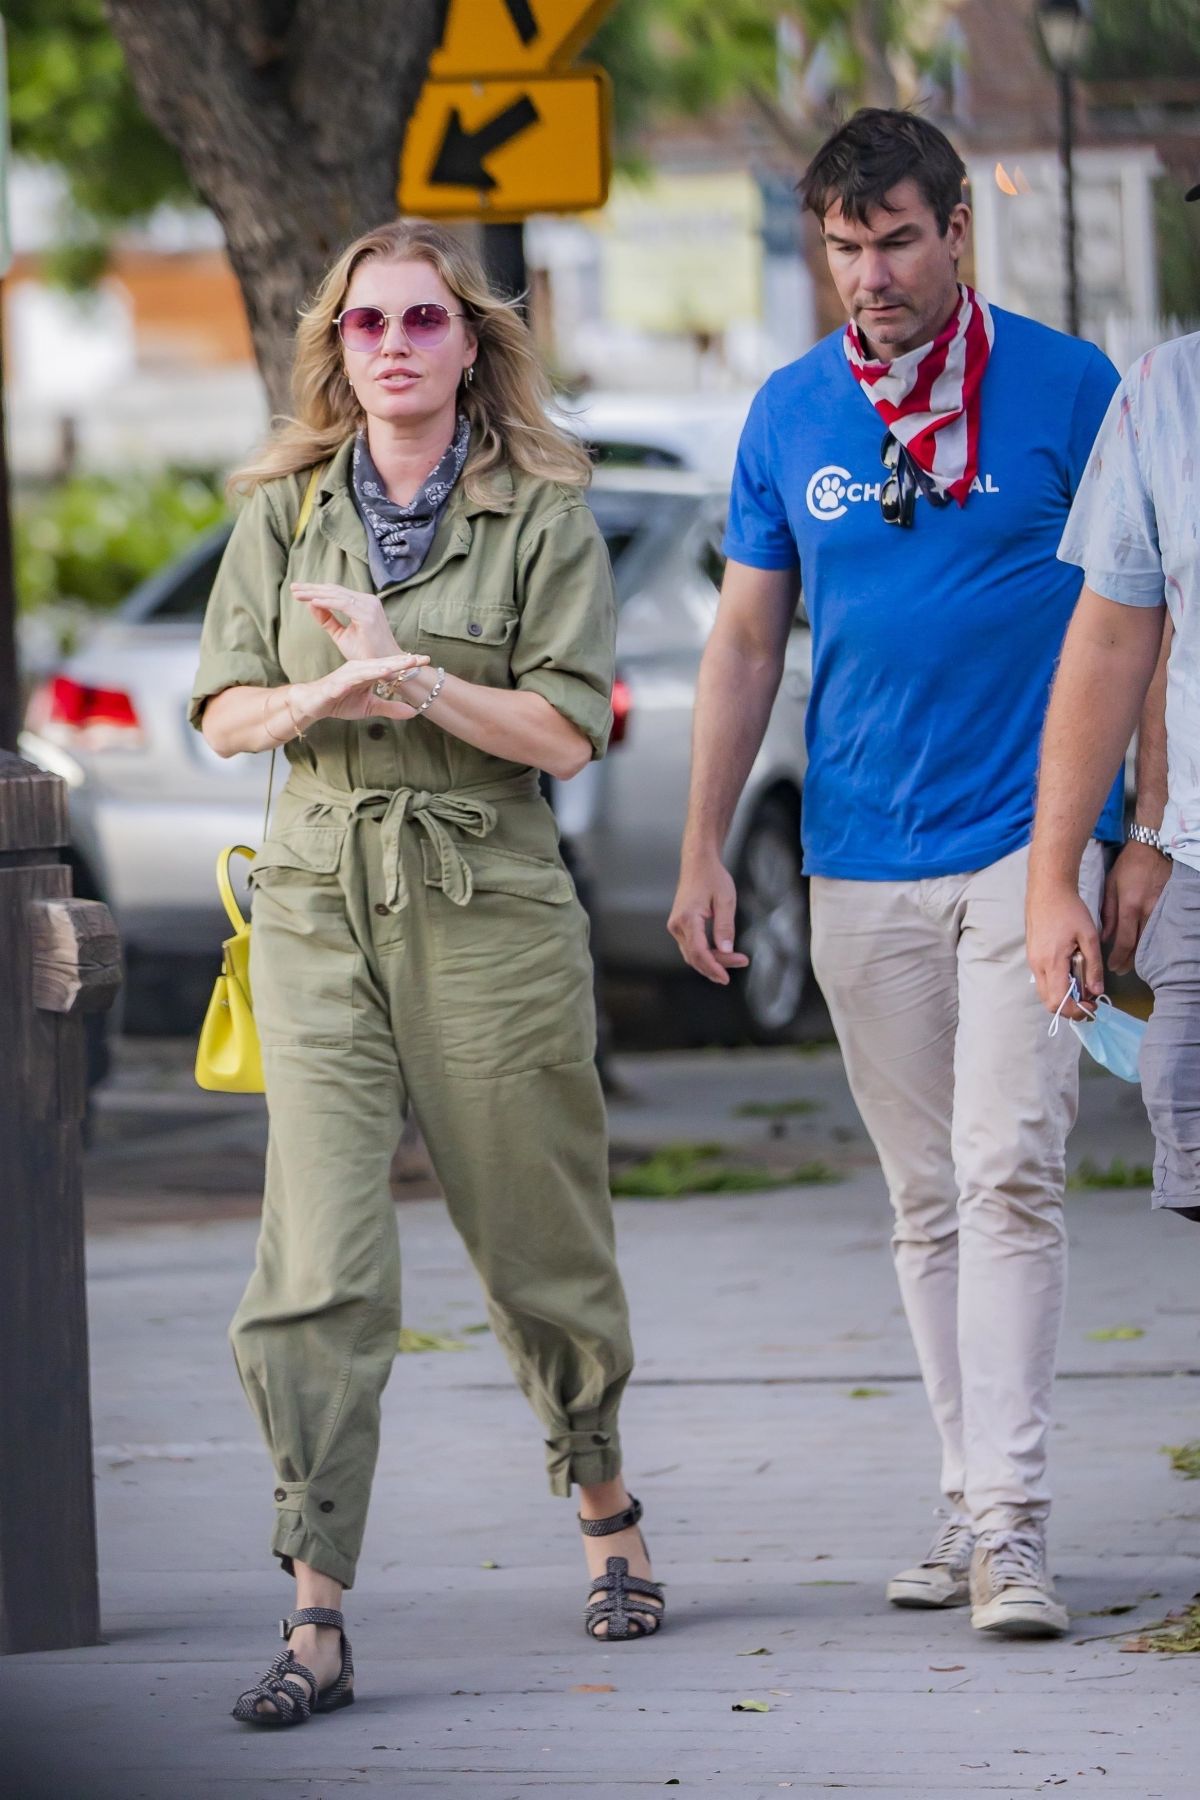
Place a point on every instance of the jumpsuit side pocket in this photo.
(514, 970)
(303, 957)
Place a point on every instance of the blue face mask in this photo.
(1112, 1037)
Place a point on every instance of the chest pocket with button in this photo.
(472, 638)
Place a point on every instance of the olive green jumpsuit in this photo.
(417, 942)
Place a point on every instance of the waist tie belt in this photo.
(465, 809)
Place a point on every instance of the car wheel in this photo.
(773, 927)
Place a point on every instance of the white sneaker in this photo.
(942, 1579)
(1011, 1593)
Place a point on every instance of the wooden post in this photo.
(59, 958)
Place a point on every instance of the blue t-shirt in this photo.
(933, 648)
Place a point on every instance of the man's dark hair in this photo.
(874, 151)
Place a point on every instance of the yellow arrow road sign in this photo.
(513, 37)
(503, 149)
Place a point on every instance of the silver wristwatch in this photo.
(1146, 834)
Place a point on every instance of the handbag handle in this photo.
(225, 887)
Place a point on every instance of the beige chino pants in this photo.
(968, 1102)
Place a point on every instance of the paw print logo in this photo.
(826, 494)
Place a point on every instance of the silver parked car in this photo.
(151, 804)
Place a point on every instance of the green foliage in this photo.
(672, 58)
(678, 1169)
(94, 537)
(1178, 229)
(1155, 38)
(1117, 1175)
(419, 1343)
(774, 1109)
(73, 105)
(1185, 1458)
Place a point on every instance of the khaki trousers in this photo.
(424, 950)
(968, 1102)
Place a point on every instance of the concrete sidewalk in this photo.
(779, 1496)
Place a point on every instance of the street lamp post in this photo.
(1066, 29)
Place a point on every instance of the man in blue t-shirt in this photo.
(916, 470)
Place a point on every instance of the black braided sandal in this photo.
(620, 1610)
(286, 1681)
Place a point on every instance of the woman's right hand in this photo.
(348, 692)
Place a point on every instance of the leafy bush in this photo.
(92, 538)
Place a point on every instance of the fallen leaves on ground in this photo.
(1116, 1334)
(679, 1169)
(1185, 1458)
(774, 1109)
(594, 1687)
(761, 1651)
(750, 1706)
(1176, 1635)
(868, 1393)
(416, 1343)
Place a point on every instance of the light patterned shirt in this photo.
(1134, 529)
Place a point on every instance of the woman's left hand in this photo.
(357, 623)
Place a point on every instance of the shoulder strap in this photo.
(306, 505)
(302, 518)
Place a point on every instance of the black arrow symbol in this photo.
(459, 162)
(524, 23)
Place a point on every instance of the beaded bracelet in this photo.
(433, 693)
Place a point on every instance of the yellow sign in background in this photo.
(503, 149)
(513, 37)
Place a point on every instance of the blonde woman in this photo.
(433, 630)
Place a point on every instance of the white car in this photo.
(151, 804)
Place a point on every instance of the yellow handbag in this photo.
(228, 1059)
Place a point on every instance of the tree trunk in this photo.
(289, 117)
(872, 31)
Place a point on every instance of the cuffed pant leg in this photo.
(316, 1332)
(523, 1160)
(886, 965)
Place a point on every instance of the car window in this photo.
(639, 529)
(618, 453)
(187, 597)
(712, 562)
(179, 592)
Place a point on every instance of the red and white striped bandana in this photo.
(929, 398)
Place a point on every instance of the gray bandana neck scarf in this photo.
(399, 537)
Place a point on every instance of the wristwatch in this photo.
(1146, 834)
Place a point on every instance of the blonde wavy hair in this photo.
(506, 402)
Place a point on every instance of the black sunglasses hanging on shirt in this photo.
(898, 495)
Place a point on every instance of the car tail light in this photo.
(64, 708)
(622, 706)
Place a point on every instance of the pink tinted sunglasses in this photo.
(425, 325)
